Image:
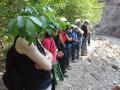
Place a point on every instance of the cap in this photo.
(77, 20)
(86, 20)
(63, 19)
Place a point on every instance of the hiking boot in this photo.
(74, 61)
(65, 75)
(68, 67)
(78, 58)
(83, 54)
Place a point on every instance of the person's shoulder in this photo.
(46, 40)
(23, 46)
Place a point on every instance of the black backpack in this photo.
(11, 77)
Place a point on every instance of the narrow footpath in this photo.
(99, 70)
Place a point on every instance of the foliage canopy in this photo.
(40, 13)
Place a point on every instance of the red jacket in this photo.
(49, 44)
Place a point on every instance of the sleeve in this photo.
(46, 44)
(22, 46)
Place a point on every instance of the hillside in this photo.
(110, 23)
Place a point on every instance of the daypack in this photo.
(11, 72)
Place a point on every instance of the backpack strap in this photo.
(15, 40)
(40, 48)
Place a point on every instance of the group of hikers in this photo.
(32, 65)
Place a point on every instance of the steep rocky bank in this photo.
(110, 23)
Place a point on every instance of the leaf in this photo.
(36, 21)
(28, 11)
(44, 9)
(51, 26)
(32, 40)
(57, 26)
(30, 27)
(49, 9)
(11, 25)
(44, 21)
(63, 25)
(15, 31)
(20, 21)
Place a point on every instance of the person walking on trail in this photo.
(85, 28)
(80, 36)
(31, 68)
(74, 43)
(68, 45)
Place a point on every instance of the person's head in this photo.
(63, 23)
(75, 28)
(86, 22)
(55, 32)
(68, 26)
(48, 34)
(78, 22)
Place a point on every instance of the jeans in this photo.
(62, 61)
(49, 88)
(84, 46)
(68, 48)
(73, 51)
(78, 48)
(89, 36)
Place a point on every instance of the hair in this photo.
(48, 34)
(78, 24)
(87, 23)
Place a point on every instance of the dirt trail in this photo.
(100, 70)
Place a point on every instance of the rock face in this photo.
(110, 23)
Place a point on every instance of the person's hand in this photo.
(49, 56)
(64, 46)
(60, 54)
(37, 67)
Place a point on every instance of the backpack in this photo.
(84, 28)
(11, 72)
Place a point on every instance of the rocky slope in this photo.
(100, 70)
(110, 23)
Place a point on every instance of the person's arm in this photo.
(48, 54)
(88, 29)
(73, 37)
(33, 53)
(69, 39)
(46, 43)
(61, 39)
